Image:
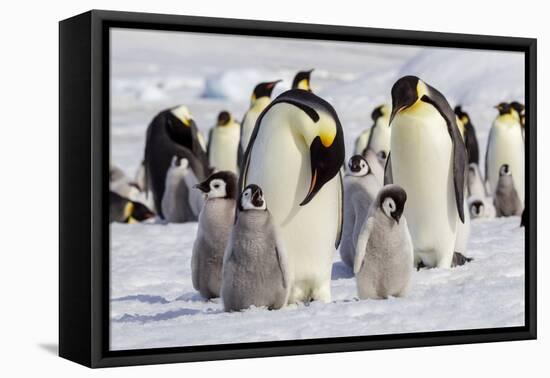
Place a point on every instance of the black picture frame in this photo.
(83, 165)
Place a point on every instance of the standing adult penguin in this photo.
(380, 134)
(507, 202)
(505, 146)
(520, 109)
(255, 271)
(383, 263)
(428, 159)
(295, 156)
(261, 97)
(171, 132)
(360, 189)
(302, 80)
(470, 138)
(223, 143)
(215, 222)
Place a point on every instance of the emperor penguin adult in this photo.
(295, 155)
(124, 210)
(470, 138)
(505, 145)
(383, 263)
(360, 189)
(302, 80)
(255, 271)
(223, 143)
(428, 160)
(215, 223)
(261, 97)
(520, 109)
(171, 132)
(380, 134)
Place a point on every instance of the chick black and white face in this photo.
(504, 170)
(181, 164)
(389, 206)
(476, 209)
(221, 184)
(392, 201)
(252, 198)
(217, 189)
(358, 166)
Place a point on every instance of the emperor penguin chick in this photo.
(360, 189)
(215, 222)
(255, 263)
(507, 202)
(384, 256)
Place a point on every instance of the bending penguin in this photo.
(470, 138)
(380, 134)
(302, 80)
(255, 271)
(180, 203)
(360, 189)
(172, 132)
(507, 202)
(383, 263)
(428, 160)
(124, 210)
(505, 145)
(295, 155)
(261, 97)
(223, 143)
(215, 222)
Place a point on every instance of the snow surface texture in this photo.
(153, 303)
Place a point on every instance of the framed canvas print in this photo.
(234, 188)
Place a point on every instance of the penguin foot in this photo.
(459, 259)
(420, 265)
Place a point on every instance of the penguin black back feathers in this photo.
(470, 138)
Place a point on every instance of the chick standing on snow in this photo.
(360, 189)
(507, 202)
(215, 221)
(179, 202)
(384, 255)
(255, 263)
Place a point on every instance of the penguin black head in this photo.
(378, 112)
(476, 208)
(358, 166)
(392, 201)
(462, 115)
(221, 184)
(179, 162)
(223, 118)
(252, 198)
(504, 170)
(301, 80)
(263, 90)
(404, 93)
(135, 211)
(504, 108)
(518, 107)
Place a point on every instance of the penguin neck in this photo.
(260, 104)
(506, 120)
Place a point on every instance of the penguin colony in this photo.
(274, 200)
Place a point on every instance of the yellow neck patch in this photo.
(128, 210)
(304, 84)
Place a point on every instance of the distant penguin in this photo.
(360, 190)
(505, 145)
(428, 159)
(520, 109)
(171, 132)
(120, 184)
(295, 155)
(215, 222)
(376, 165)
(481, 208)
(470, 138)
(223, 143)
(180, 203)
(361, 141)
(255, 271)
(380, 132)
(383, 263)
(302, 80)
(476, 187)
(124, 210)
(507, 202)
(261, 97)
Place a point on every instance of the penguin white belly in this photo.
(223, 148)
(361, 142)
(506, 147)
(250, 120)
(381, 138)
(280, 165)
(421, 156)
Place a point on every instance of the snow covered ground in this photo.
(153, 303)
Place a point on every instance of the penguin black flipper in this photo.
(340, 210)
(209, 142)
(388, 174)
(460, 158)
(486, 173)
